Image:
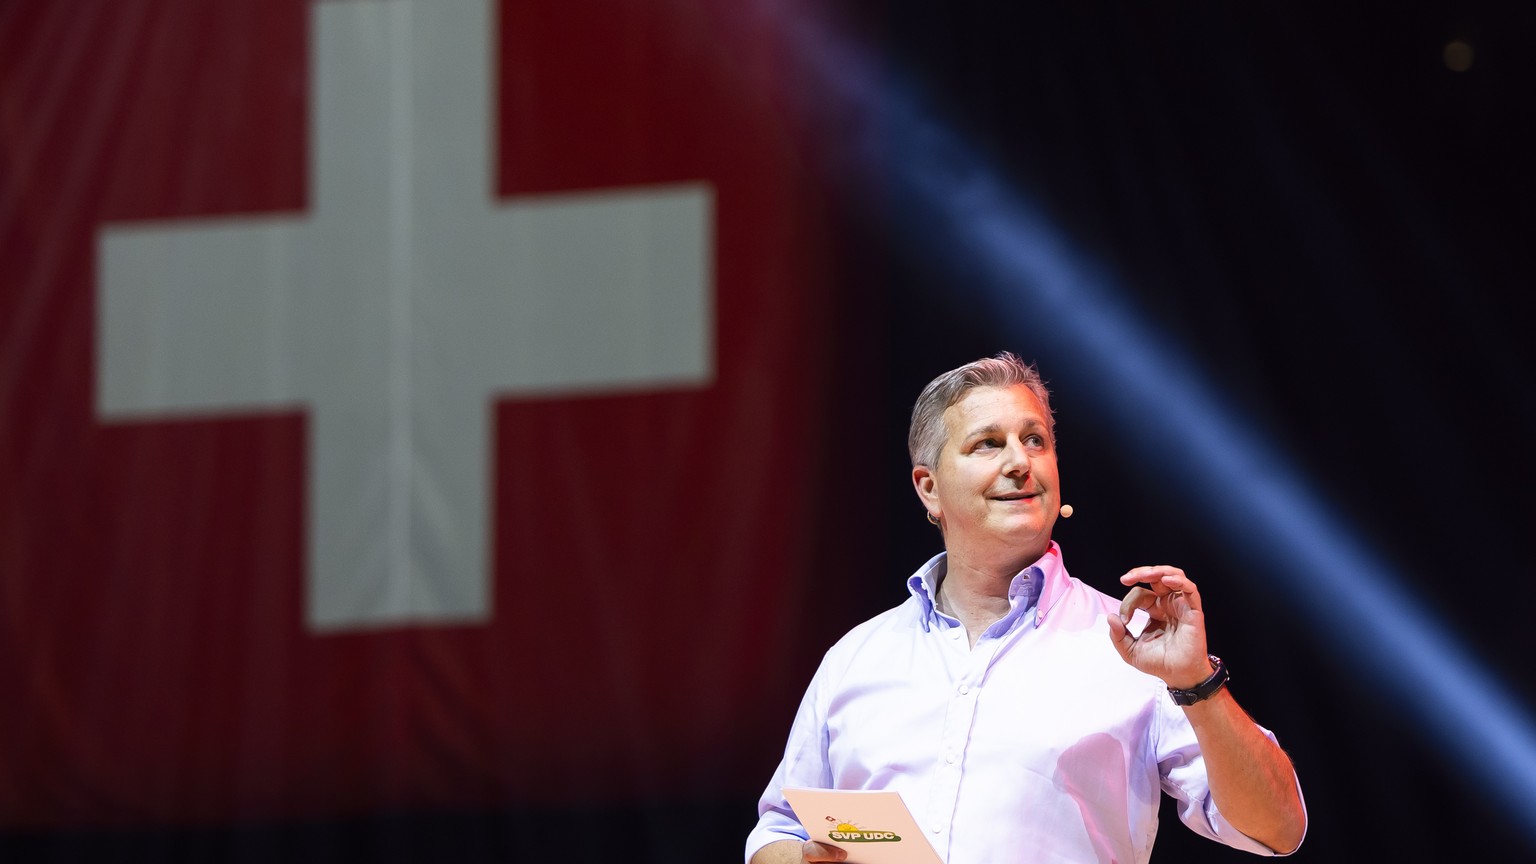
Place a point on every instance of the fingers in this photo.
(1161, 580)
(1120, 636)
(1137, 598)
(814, 852)
(1155, 575)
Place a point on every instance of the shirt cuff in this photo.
(772, 827)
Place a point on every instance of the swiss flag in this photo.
(648, 549)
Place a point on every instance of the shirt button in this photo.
(964, 689)
(936, 829)
(950, 758)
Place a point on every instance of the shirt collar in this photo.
(1040, 585)
(1054, 581)
(924, 585)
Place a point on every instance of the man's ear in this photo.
(927, 487)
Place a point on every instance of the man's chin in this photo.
(1026, 531)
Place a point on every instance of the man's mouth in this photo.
(1016, 496)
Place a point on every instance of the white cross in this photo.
(400, 307)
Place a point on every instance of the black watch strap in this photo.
(1205, 689)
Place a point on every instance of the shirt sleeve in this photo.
(804, 764)
(1184, 777)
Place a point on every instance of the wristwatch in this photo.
(1205, 689)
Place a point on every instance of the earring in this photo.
(932, 518)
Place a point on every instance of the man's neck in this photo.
(976, 595)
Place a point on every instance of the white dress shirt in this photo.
(1039, 744)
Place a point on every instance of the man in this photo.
(1022, 715)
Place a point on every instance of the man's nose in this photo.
(1016, 460)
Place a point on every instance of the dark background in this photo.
(1337, 227)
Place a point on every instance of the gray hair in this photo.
(925, 439)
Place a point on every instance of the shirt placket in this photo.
(964, 690)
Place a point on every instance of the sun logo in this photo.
(847, 832)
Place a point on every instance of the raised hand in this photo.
(1172, 646)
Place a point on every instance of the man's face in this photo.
(995, 485)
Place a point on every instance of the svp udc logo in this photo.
(847, 832)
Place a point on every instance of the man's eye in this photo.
(1034, 441)
(986, 443)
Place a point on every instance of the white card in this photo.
(872, 827)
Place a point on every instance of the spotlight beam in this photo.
(1041, 289)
